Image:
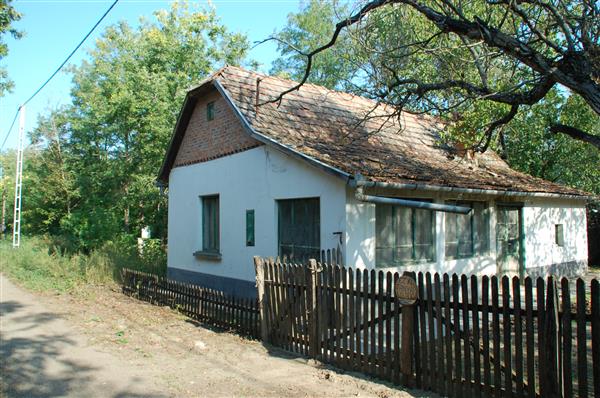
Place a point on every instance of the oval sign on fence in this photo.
(406, 290)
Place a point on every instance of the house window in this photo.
(210, 111)
(467, 235)
(299, 229)
(403, 235)
(249, 227)
(210, 224)
(559, 235)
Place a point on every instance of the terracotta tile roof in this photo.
(353, 134)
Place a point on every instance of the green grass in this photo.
(38, 266)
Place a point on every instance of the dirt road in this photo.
(43, 357)
(103, 344)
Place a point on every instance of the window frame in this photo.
(473, 224)
(210, 111)
(395, 262)
(559, 234)
(317, 230)
(211, 244)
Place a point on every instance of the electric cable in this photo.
(58, 69)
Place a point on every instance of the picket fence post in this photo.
(311, 296)
(260, 288)
(552, 339)
(408, 327)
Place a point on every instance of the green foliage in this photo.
(531, 148)
(40, 266)
(306, 30)
(396, 42)
(8, 15)
(125, 104)
(90, 173)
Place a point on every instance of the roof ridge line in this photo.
(332, 91)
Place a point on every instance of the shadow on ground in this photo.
(33, 361)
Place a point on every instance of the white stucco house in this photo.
(324, 169)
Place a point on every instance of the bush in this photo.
(40, 265)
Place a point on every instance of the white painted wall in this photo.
(255, 179)
(540, 218)
(360, 239)
(360, 232)
(252, 179)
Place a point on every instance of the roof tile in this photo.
(356, 135)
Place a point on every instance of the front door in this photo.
(508, 240)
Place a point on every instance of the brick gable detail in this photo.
(206, 140)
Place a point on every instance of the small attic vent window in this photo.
(210, 111)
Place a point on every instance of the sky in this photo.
(53, 28)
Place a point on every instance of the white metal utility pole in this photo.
(19, 180)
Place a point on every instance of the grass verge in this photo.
(37, 266)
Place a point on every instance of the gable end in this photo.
(197, 139)
(205, 139)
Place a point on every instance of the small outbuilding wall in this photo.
(543, 256)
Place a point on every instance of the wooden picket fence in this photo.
(464, 336)
(205, 305)
(332, 257)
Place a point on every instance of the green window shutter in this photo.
(249, 227)
(467, 234)
(385, 235)
(559, 235)
(403, 235)
(481, 227)
(404, 229)
(423, 235)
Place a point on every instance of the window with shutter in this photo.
(299, 229)
(210, 224)
(467, 235)
(403, 235)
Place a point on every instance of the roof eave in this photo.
(360, 181)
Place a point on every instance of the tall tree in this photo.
(8, 15)
(305, 30)
(447, 56)
(51, 195)
(125, 101)
(374, 45)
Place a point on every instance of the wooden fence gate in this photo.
(337, 316)
(464, 336)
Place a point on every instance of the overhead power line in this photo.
(72, 52)
(10, 129)
(59, 68)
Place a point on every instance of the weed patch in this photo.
(38, 266)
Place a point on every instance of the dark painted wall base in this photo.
(570, 269)
(235, 287)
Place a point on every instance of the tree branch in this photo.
(338, 29)
(577, 79)
(489, 132)
(576, 134)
